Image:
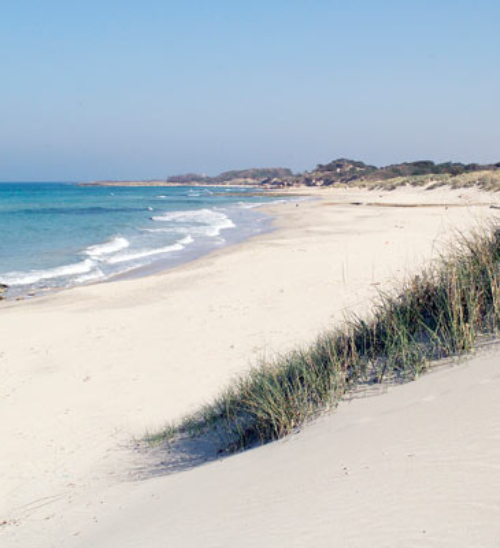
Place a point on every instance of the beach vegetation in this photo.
(442, 312)
(425, 173)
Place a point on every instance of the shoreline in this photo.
(272, 210)
(302, 193)
(87, 369)
(246, 221)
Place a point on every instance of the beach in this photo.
(88, 371)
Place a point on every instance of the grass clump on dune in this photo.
(486, 180)
(439, 313)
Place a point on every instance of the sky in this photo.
(143, 89)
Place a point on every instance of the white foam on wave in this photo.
(125, 257)
(189, 231)
(92, 276)
(213, 222)
(187, 240)
(157, 230)
(247, 205)
(112, 246)
(35, 276)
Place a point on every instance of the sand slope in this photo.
(83, 371)
(418, 466)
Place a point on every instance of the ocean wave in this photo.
(125, 257)
(92, 276)
(246, 205)
(112, 246)
(213, 222)
(35, 276)
(157, 230)
(178, 230)
(252, 205)
(187, 240)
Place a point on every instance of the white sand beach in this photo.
(87, 370)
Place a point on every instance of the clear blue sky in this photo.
(125, 89)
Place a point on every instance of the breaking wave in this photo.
(112, 246)
(205, 221)
(35, 276)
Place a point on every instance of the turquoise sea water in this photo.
(57, 235)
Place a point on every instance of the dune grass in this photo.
(439, 313)
(486, 180)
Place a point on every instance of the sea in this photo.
(58, 235)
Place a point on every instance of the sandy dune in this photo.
(418, 466)
(85, 370)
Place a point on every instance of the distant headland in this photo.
(338, 173)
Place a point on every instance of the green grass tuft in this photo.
(439, 313)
